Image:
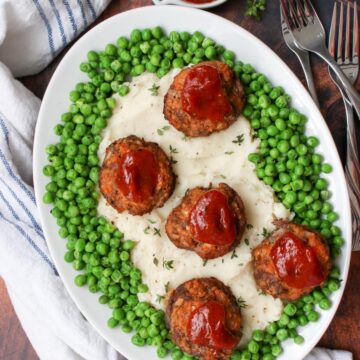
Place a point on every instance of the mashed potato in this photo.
(220, 157)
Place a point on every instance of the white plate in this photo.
(189, 4)
(248, 49)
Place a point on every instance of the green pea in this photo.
(268, 356)
(282, 334)
(333, 285)
(253, 347)
(298, 340)
(284, 178)
(325, 304)
(176, 354)
(313, 316)
(123, 90)
(80, 280)
(210, 53)
(229, 55)
(294, 118)
(271, 328)
(321, 184)
(161, 352)
(276, 350)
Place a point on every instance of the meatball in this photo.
(286, 270)
(223, 223)
(186, 302)
(136, 176)
(204, 98)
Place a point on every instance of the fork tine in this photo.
(355, 50)
(332, 35)
(347, 35)
(301, 12)
(287, 15)
(309, 8)
(341, 34)
(293, 13)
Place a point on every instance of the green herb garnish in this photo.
(154, 90)
(168, 264)
(254, 8)
(239, 139)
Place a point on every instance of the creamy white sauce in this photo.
(200, 161)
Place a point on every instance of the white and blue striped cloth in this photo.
(32, 32)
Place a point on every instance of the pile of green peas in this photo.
(286, 160)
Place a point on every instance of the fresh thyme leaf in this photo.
(184, 138)
(172, 160)
(222, 176)
(151, 221)
(167, 286)
(246, 241)
(146, 230)
(168, 264)
(261, 293)
(154, 90)
(157, 231)
(241, 303)
(239, 139)
(254, 8)
(173, 150)
(155, 261)
(249, 226)
(229, 152)
(205, 262)
(265, 232)
(161, 131)
(159, 298)
(233, 255)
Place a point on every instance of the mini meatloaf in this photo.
(204, 98)
(136, 176)
(291, 262)
(204, 318)
(209, 221)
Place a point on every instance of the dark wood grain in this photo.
(14, 344)
(344, 331)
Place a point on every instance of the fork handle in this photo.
(352, 172)
(351, 92)
(304, 59)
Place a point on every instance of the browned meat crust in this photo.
(178, 226)
(193, 127)
(108, 184)
(264, 269)
(182, 301)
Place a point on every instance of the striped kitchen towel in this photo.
(32, 32)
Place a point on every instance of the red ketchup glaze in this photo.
(199, 1)
(296, 263)
(206, 327)
(203, 96)
(137, 174)
(211, 219)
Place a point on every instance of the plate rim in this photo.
(38, 147)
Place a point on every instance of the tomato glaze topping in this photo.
(203, 96)
(137, 175)
(212, 221)
(206, 327)
(296, 263)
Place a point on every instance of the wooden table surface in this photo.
(344, 331)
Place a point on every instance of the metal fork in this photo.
(303, 57)
(309, 34)
(348, 61)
